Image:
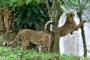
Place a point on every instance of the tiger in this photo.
(43, 39)
(7, 19)
(70, 25)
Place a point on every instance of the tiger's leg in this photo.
(25, 44)
(45, 47)
(76, 27)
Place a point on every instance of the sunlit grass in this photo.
(7, 53)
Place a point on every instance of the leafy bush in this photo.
(31, 13)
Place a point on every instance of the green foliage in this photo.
(30, 13)
(5, 3)
(13, 3)
(27, 12)
(74, 4)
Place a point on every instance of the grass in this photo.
(21, 54)
(7, 53)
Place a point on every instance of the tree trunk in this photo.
(54, 13)
(83, 35)
(82, 29)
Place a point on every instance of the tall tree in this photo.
(54, 12)
(82, 28)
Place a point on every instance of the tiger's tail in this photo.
(47, 26)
